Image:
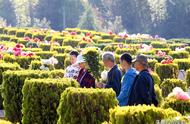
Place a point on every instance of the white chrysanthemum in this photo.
(104, 75)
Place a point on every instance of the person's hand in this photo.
(99, 85)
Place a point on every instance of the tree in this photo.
(7, 12)
(88, 20)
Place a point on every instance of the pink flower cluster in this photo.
(161, 54)
(17, 51)
(179, 94)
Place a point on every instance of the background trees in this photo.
(167, 18)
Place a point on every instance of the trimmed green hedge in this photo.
(152, 63)
(85, 106)
(165, 71)
(24, 62)
(169, 84)
(61, 58)
(45, 47)
(158, 44)
(156, 78)
(140, 115)
(41, 98)
(45, 54)
(125, 50)
(110, 48)
(184, 64)
(4, 67)
(181, 106)
(71, 42)
(179, 54)
(12, 86)
(188, 77)
(159, 96)
(4, 122)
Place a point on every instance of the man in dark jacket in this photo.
(142, 91)
(114, 74)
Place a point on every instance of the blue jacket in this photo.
(126, 85)
(142, 91)
(114, 79)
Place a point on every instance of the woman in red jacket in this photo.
(85, 79)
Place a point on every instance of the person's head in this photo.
(81, 61)
(141, 62)
(73, 56)
(126, 61)
(108, 59)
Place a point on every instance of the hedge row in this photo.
(13, 82)
(85, 106)
(41, 98)
(182, 106)
(165, 71)
(140, 115)
(4, 67)
(169, 84)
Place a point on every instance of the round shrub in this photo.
(179, 54)
(140, 115)
(182, 106)
(41, 98)
(184, 64)
(169, 84)
(85, 106)
(165, 71)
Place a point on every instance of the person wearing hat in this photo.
(84, 78)
(142, 91)
(128, 79)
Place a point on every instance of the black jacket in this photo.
(114, 79)
(142, 91)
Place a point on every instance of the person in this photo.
(72, 71)
(128, 79)
(142, 91)
(114, 75)
(84, 78)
